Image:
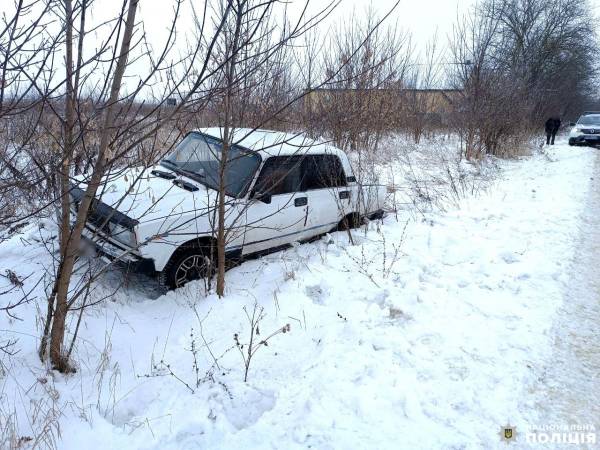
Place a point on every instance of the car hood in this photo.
(587, 127)
(143, 196)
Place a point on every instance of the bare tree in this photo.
(516, 62)
(27, 22)
(419, 98)
(363, 100)
(119, 126)
(70, 238)
(257, 53)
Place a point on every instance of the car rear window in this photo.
(322, 172)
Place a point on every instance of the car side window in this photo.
(322, 172)
(279, 175)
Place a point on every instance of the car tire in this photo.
(572, 142)
(190, 262)
(349, 221)
(377, 215)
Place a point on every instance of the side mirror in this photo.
(265, 198)
(572, 124)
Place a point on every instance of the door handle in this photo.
(344, 195)
(301, 201)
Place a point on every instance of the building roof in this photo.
(384, 89)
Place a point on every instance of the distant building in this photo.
(438, 102)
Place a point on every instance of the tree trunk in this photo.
(58, 311)
(221, 219)
(230, 80)
(57, 333)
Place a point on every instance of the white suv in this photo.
(280, 188)
(586, 130)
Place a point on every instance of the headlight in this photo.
(122, 234)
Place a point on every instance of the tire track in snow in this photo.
(568, 389)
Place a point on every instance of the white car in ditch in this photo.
(280, 188)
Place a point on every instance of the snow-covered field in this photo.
(427, 332)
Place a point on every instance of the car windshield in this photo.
(589, 120)
(198, 156)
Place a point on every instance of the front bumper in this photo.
(585, 139)
(117, 253)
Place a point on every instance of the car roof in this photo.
(274, 143)
(596, 115)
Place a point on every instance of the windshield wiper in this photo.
(180, 170)
(193, 175)
(166, 162)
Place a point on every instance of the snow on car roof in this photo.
(274, 143)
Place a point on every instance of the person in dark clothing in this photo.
(552, 126)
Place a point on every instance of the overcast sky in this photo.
(420, 17)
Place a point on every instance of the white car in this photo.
(586, 130)
(280, 188)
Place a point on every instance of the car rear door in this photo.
(276, 213)
(329, 197)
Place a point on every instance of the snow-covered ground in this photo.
(431, 331)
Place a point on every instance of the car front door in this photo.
(276, 213)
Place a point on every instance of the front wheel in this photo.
(189, 263)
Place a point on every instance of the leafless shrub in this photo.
(42, 414)
(197, 344)
(422, 102)
(362, 101)
(255, 342)
(431, 176)
(388, 262)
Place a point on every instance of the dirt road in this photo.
(568, 393)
